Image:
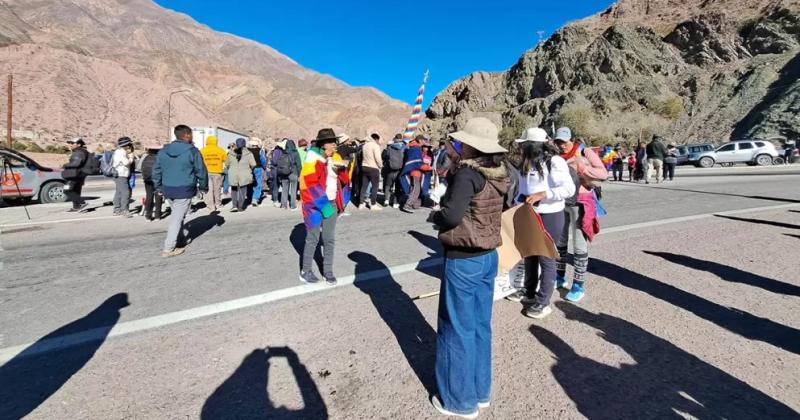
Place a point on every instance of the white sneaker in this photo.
(362, 206)
(395, 206)
(376, 207)
(438, 406)
(276, 204)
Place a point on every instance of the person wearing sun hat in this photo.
(324, 193)
(545, 183)
(469, 229)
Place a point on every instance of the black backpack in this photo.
(395, 158)
(284, 166)
(148, 163)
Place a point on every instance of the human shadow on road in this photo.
(244, 394)
(734, 320)
(416, 338)
(731, 274)
(200, 225)
(664, 382)
(298, 240)
(760, 221)
(432, 265)
(32, 376)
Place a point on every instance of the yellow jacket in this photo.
(213, 156)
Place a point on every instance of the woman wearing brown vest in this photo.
(469, 226)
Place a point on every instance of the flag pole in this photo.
(416, 112)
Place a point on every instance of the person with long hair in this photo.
(545, 183)
(469, 229)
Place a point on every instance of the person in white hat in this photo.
(469, 229)
(545, 183)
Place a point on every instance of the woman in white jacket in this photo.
(123, 160)
(545, 182)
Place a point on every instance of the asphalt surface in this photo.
(696, 317)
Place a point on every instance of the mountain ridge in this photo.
(689, 75)
(233, 81)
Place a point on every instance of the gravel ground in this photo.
(696, 319)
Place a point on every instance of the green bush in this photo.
(56, 149)
(514, 129)
(670, 108)
(580, 119)
(19, 145)
(34, 148)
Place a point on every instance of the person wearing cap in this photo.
(214, 158)
(392, 158)
(656, 151)
(324, 193)
(469, 230)
(152, 200)
(411, 175)
(178, 174)
(240, 164)
(75, 173)
(123, 162)
(545, 183)
(257, 187)
(580, 212)
(372, 164)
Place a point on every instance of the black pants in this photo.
(152, 201)
(617, 169)
(669, 170)
(554, 225)
(389, 185)
(370, 176)
(74, 191)
(239, 197)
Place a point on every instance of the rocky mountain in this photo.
(689, 69)
(105, 68)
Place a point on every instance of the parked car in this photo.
(22, 178)
(688, 153)
(751, 152)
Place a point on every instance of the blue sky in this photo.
(388, 44)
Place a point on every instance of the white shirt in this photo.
(332, 183)
(121, 163)
(556, 182)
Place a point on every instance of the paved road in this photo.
(368, 335)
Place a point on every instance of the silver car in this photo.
(21, 178)
(751, 152)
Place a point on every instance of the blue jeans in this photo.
(464, 342)
(258, 186)
(226, 184)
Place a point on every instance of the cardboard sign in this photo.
(523, 235)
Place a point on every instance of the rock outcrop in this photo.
(692, 70)
(105, 68)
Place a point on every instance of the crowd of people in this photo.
(645, 162)
(467, 181)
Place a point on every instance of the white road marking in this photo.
(50, 222)
(171, 318)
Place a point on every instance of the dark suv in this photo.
(688, 153)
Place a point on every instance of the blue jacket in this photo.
(180, 171)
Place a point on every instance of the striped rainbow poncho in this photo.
(313, 183)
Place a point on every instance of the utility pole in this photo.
(10, 111)
(169, 113)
